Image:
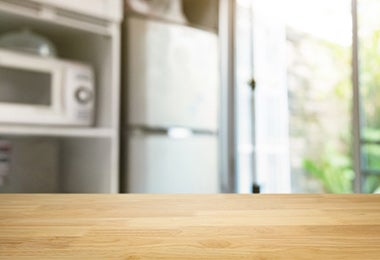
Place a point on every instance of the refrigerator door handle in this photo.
(179, 132)
(174, 132)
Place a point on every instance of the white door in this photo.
(262, 116)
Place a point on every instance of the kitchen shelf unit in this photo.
(67, 158)
(41, 131)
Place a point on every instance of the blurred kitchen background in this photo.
(189, 96)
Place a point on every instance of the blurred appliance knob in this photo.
(83, 95)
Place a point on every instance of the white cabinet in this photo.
(106, 9)
(62, 158)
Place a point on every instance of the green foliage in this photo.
(372, 184)
(370, 78)
(333, 169)
(371, 134)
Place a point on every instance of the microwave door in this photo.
(27, 89)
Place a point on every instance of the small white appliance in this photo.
(37, 90)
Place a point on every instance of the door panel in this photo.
(173, 75)
(158, 164)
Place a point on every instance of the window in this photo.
(297, 130)
(368, 67)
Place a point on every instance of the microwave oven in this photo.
(37, 90)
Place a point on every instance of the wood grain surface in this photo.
(227, 226)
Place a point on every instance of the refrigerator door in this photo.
(159, 164)
(173, 75)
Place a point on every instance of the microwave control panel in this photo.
(80, 94)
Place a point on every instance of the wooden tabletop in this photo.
(190, 226)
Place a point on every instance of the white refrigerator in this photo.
(171, 117)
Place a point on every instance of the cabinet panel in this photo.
(34, 166)
(107, 9)
(86, 166)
